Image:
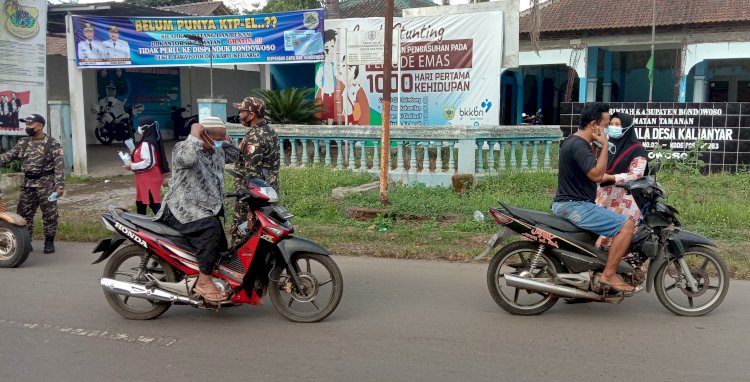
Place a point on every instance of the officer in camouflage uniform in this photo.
(42, 164)
(259, 153)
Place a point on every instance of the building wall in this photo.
(232, 84)
(293, 75)
(57, 78)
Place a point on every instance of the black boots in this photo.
(49, 244)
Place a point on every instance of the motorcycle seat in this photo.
(544, 218)
(149, 224)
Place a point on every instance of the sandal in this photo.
(617, 286)
(209, 296)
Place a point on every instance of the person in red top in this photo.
(149, 165)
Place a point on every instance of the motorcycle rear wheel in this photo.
(160, 269)
(711, 274)
(516, 256)
(310, 310)
(103, 136)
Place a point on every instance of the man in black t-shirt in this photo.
(579, 171)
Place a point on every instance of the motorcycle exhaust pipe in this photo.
(538, 286)
(140, 291)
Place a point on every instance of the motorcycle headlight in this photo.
(270, 193)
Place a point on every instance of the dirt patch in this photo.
(92, 195)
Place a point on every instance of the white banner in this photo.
(450, 72)
(23, 60)
(368, 48)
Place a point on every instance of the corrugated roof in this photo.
(203, 8)
(376, 8)
(575, 15)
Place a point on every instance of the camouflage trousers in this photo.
(32, 198)
(239, 216)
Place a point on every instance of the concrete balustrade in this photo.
(429, 155)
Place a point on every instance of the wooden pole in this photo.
(386, 117)
(653, 59)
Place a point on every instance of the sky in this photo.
(246, 3)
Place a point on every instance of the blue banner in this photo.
(140, 92)
(290, 37)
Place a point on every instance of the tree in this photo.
(274, 6)
(158, 3)
(290, 105)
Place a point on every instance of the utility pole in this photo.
(653, 59)
(386, 117)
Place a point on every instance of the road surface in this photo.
(398, 321)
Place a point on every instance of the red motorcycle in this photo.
(158, 268)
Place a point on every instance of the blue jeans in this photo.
(590, 217)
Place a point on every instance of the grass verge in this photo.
(714, 205)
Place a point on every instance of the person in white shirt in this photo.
(114, 48)
(149, 164)
(89, 49)
(113, 105)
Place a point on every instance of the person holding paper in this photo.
(149, 165)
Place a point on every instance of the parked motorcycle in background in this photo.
(558, 259)
(180, 124)
(536, 119)
(112, 126)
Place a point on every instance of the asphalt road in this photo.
(398, 321)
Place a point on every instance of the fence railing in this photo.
(425, 154)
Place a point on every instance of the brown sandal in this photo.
(617, 286)
(205, 294)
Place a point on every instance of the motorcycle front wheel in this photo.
(127, 264)
(15, 244)
(322, 287)
(102, 136)
(712, 283)
(515, 259)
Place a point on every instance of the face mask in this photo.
(30, 131)
(141, 129)
(218, 144)
(615, 132)
(612, 148)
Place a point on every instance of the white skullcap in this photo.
(212, 122)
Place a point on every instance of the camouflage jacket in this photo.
(40, 169)
(259, 155)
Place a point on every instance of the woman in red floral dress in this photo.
(149, 163)
(628, 160)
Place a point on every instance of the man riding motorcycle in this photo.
(195, 200)
(579, 172)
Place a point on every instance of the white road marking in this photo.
(102, 334)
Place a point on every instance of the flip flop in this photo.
(205, 294)
(616, 286)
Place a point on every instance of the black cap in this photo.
(33, 118)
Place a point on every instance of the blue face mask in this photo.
(218, 144)
(615, 132)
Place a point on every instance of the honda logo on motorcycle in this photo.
(131, 235)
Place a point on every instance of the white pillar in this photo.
(699, 89)
(606, 91)
(265, 77)
(591, 89)
(77, 105)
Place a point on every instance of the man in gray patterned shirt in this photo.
(195, 200)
